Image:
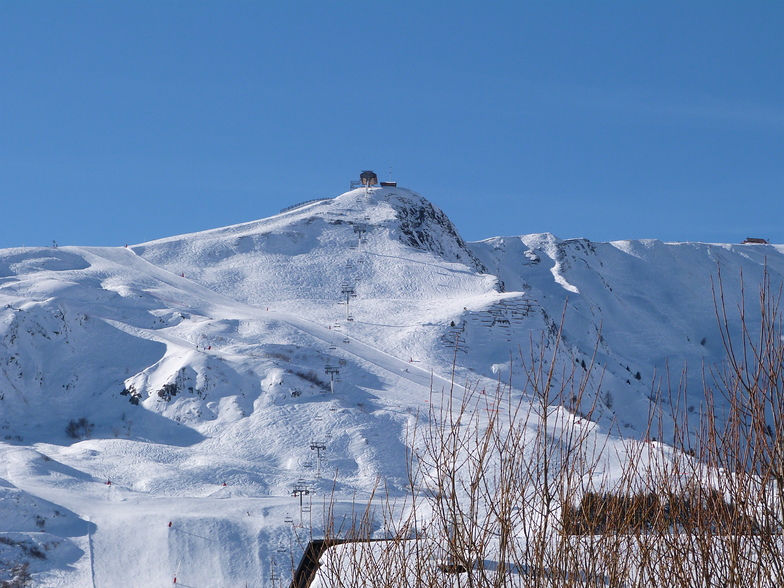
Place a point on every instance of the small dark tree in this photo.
(79, 429)
(21, 577)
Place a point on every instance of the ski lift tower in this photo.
(360, 231)
(348, 291)
(300, 490)
(332, 371)
(318, 447)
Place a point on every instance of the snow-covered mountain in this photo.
(207, 376)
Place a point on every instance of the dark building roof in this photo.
(368, 177)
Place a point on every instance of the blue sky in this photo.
(122, 122)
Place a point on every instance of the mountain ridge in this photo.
(224, 356)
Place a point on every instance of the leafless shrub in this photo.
(507, 488)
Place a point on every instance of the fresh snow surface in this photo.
(195, 373)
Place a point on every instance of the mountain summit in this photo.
(314, 239)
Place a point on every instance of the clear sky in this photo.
(122, 122)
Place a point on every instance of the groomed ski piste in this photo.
(189, 408)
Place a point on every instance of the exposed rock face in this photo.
(426, 227)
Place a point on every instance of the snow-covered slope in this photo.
(292, 353)
(402, 259)
(647, 306)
